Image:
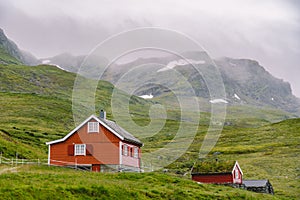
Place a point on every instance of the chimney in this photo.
(102, 114)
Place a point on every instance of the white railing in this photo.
(15, 162)
(20, 161)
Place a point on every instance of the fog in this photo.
(267, 31)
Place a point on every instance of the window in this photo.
(93, 127)
(125, 150)
(130, 150)
(79, 149)
(136, 152)
(236, 174)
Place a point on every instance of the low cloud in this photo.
(267, 31)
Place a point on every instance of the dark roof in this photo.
(212, 167)
(255, 183)
(127, 136)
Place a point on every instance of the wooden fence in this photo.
(18, 161)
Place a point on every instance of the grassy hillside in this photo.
(6, 58)
(44, 80)
(268, 152)
(41, 182)
(35, 107)
(29, 120)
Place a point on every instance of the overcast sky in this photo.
(265, 30)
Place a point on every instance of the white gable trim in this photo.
(238, 166)
(49, 153)
(81, 125)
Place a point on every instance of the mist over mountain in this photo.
(246, 82)
(67, 61)
(13, 55)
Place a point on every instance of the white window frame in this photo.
(125, 150)
(236, 174)
(79, 149)
(135, 152)
(93, 127)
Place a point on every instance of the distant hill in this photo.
(70, 62)
(66, 61)
(246, 82)
(11, 54)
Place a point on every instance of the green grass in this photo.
(43, 80)
(42, 182)
(35, 107)
(28, 121)
(6, 58)
(268, 152)
(213, 167)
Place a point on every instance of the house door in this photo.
(96, 168)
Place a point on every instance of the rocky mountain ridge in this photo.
(245, 80)
(11, 54)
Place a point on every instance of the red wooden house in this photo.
(97, 144)
(218, 172)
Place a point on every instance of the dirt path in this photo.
(9, 169)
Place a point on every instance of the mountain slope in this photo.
(11, 54)
(72, 63)
(66, 61)
(245, 81)
(35, 107)
(29, 120)
(248, 82)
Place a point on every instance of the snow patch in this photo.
(46, 61)
(218, 101)
(180, 62)
(237, 97)
(150, 96)
(59, 67)
(232, 64)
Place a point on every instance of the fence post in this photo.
(1, 158)
(16, 159)
(38, 161)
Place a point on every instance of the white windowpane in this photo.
(136, 152)
(125, 150)
(236, 173)
(79, 149)
(93, 127)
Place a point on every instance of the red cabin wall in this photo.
(213, 178)
(105, 148)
